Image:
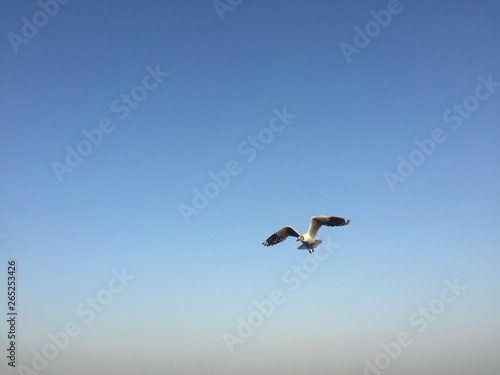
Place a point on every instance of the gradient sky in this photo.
(355, 119)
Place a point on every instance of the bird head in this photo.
(300, 238)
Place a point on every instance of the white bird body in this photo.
(307, 239)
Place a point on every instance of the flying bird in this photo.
(307, 239)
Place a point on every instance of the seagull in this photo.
(307, 239)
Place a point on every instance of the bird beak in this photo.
(297, 239)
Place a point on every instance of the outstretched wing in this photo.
(330, 221)
(280, 236)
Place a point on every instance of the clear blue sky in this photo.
(177, 91)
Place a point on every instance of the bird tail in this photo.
(316, 244)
